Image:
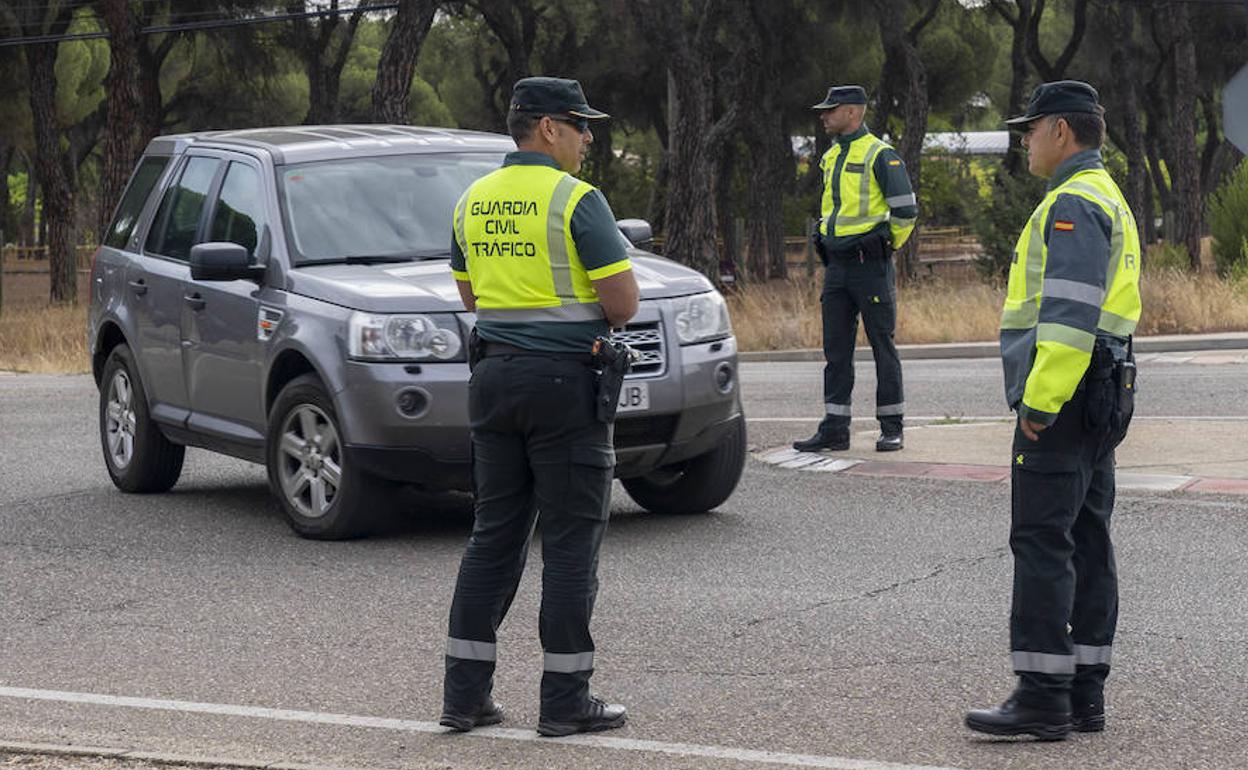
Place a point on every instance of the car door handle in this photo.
(139, 286)
(194, 300)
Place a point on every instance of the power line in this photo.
(201, 25)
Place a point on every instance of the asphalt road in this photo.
(832, 620)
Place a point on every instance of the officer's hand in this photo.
(816, 239)
(1031, 429)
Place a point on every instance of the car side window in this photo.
(145, 178)
(239, 216)
(177, 222)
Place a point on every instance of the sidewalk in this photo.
(1164, 455)
(1165, 343)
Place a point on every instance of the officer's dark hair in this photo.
(521, 125)
(1088, 127)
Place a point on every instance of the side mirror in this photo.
(220, 261)
(637, 231)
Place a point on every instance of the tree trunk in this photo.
(905, 75)
(697, 137)
(26, 226)
(392, 89)
(1018, 17)
(51, 165)
(322, 47)
(1183, 164)
(123, 140)
(1131, 141)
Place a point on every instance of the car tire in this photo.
(322, 493)
(696, 485)
(138, 456)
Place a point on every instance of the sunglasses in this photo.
(580, 124)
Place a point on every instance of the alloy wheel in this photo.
(310, 461)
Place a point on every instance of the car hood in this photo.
(427, 287)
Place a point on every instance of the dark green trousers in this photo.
(539, 454)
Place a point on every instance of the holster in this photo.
(613, 361)
(476, 349)
(1110, 389)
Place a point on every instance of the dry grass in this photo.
(47, 340)
(772, 316)
(785, 314)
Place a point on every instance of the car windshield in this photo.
(378, 208)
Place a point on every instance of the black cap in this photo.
(1055, 98)
(552, 96)
(838, 95)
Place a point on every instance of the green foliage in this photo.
(80, 69)
(1228, 220)
(1167, 257)
(949, 191)
(1000, 218)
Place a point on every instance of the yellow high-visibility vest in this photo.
(513, 228)
(1062, 352)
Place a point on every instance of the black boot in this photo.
(594, 716)
(1012, 718)
(827, 437)
(889, 442)
(463, 720)
(1087, 711)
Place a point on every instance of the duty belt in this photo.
(497, 349)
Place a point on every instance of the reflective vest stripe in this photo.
(1065, 335)
(556, 237)
(864, 187)
(1074, 290)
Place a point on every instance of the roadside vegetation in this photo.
(781, 314)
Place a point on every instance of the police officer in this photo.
(537, 255)
(868, 211)
(1071, 306)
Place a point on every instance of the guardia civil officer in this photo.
(537, 255)
(868, 211)
(1071, 306)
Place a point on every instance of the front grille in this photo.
(646, 339)
(639, 431)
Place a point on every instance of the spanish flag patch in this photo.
(894, 163)
(1062, 224)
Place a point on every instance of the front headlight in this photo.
(403, 337)
(701, 317)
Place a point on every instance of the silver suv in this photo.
(284, 295)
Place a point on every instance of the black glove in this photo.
(816, 239)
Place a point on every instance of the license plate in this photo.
(634, 397)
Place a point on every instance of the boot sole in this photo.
(562, 729)
(834, 448)
(1093, 724)
(462, 724)
(1038, 730)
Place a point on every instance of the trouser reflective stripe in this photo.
(568, 663)
(837, 409)
(1042, 662)
(467, 649)
(890, 409)
(1089, 655)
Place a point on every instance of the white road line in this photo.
(412, 726)
(954, 419)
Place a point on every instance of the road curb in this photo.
(135, 755)
(1167, 343)
(792, 459)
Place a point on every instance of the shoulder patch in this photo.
(1064, 225)
(894, 163)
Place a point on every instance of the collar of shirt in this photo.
(529, 158)
(847, 139)
(1080, 161)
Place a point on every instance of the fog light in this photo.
(724, 378)
(412, 402)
